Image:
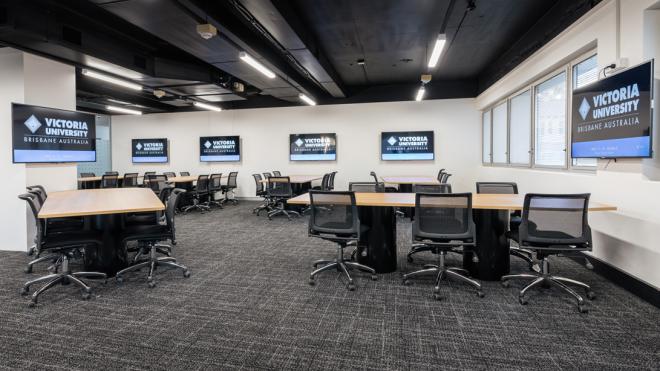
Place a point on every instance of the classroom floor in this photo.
(248, 306)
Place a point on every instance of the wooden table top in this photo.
(99, 202)
(299, 179)
(98, 178)
(425, 180)
(479, 201)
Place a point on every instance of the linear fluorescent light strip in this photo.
(111, 79)
(437, 50)
(420, 94)
(123, 110)
(307, 99)
(207, 106)
(245, 57)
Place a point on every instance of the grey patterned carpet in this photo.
(248, 306)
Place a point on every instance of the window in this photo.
(520, 129)
(486, 138)
(585, 73)
(500, 134)
(550, 122)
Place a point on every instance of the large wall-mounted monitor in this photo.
(42, 135)
(406, 145)
(313, 147)
(219, 149)
(149, 150)
(612, 118)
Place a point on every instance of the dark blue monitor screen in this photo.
(220, 149)
(41, 135)
(149, 150)
(313, 147)
(406, 145)
(611, 118)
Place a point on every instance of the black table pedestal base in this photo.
(111, 256)
(492, 245)
(377, 247)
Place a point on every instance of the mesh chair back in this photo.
(35, 206)
(267, 175)
(442, 171)
(40, 191)
(170, 208)
(202, 184)
(259, 184)
(112, 173)
(215, 182)
(277, 173)
(87, 175)
(130, 180)
(184, 173)
(444, 177)
(366, 187)
(169, 174)
(157, 182)
(331, 183)
(109, 181)
(508, 188)
(432, 188)
(231, 181)
(149, 173)
(444, 217)
(373, 174)
(280, 187)
(333, 213)
(555, 220)
(325, 182)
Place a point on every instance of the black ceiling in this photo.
(312, 45)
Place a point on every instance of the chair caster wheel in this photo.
(480, 294)
(119, 279)
(522, 300)
(436, 296)
(151, 284)
(105, 281)
(535, 268)
(86, 295)
(350, 286)
(32, 304)
(591, 295)
(87, 290)
(311, 282)
(28, 270)
(582, 308)
(406, 282)
(505, 284)
(186, 273)
(24, 291)
(374, 277)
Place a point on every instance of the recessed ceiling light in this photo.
(123, 110)
(360, 62)
(437, 50)
(307, 99)
(110, 79)
(420, 94)
(247, 58)
(207, 106)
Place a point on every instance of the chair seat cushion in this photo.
(153, 232)
(71, 239)
(142, 218)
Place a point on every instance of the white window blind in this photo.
(486, 137)
(585, 73)
(550, 122)
(500, 134)
(520, 129)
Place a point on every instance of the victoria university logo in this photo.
(391, 141)
(584, 108)
(32, 124)
(139, 146)
(299, 142)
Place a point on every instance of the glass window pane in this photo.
(486, 137)
(500, 134)
(550, 122)
(585, 73)
(520, 128)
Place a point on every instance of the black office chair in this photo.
(334, 217)
(553, 224)
(152, 236)
(279, 191)
(215, 187)
(261, 192)
(169, 174)
(425, 188)
(85, 184)
(111, 173)
(387, 189)
(130, 180)
(184, 173)
(199, 193)
(87, 175)
(331, 183)
(267, 175)
(147, 174)
(439, 177)
(325, 183)
(366, 187)
(157, 183)
(61, 248)
(444, 222)
(444, 177)
(229, 188)
(277, 173)
(109, 181)
(514, 220)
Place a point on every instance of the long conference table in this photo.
(102, 209)
(491, 216)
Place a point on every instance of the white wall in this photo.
(629, 238)
(265, 140)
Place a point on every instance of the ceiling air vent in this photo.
(71, 36)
